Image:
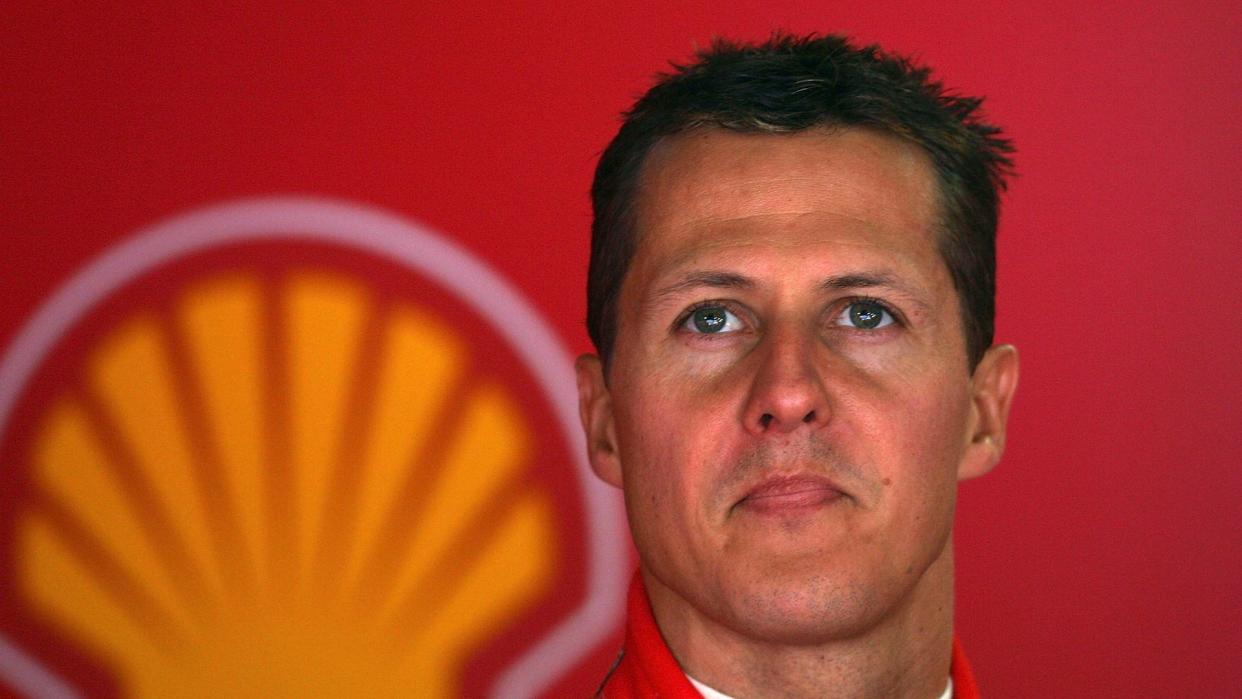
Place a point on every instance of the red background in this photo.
(1103, 557)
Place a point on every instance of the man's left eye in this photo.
(865, 315)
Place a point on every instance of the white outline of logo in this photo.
(421, 250)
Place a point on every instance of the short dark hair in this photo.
(788, 84)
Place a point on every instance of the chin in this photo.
(805, 611)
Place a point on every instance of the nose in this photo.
(787, 391)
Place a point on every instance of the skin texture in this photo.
(791, 479)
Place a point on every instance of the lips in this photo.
(790, 494)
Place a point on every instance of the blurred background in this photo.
(289, 296)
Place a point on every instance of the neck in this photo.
(906, 655)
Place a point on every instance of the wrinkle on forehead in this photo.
(718, 234)
(785, 174)
(815, 246)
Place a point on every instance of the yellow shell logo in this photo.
(298, 479)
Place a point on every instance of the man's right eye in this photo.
(710, 320)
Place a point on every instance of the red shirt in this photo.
(646, 668)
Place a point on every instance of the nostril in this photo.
(809, 417)
(766, 420)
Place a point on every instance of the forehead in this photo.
(717, 194)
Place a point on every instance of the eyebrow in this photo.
(841, 282)
(714, 279)
(859, 281)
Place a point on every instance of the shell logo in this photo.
(290, 447)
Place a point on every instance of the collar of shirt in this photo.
(709, 693)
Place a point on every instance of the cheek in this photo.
(664, 404)
(673, 442)
(912, 424)
(660, 470)
(922, 455)
(647, 448)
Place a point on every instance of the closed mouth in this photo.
(790, 493)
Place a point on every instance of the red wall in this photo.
(1103, 557)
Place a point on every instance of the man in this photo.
(792, 294)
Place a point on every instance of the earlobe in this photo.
(992, 387)
(595, 411)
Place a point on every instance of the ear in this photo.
(595, 411)
(991, 391)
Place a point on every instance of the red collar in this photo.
(646, 668)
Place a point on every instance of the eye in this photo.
(865, 315)
(711, 320)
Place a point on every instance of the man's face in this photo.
(789, 405)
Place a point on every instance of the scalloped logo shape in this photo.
(295, 446)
